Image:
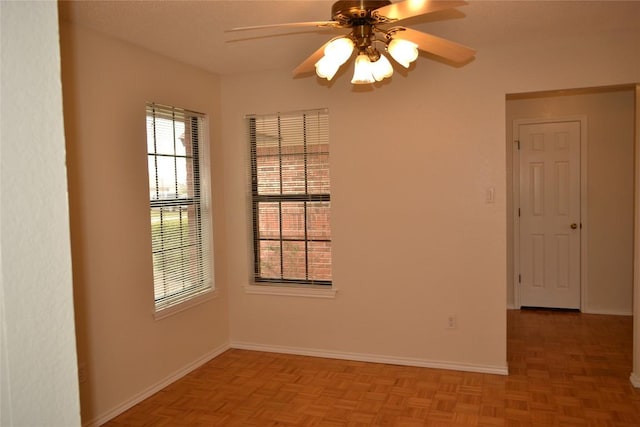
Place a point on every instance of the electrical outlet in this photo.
(452, 322)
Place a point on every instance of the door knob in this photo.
(574, 226)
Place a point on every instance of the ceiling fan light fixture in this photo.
(339, 49)
(327, 68)
(368, 20)
(336, 53)
(403, 51)
(363, 73)
(381, 69)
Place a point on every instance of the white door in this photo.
(549, 214)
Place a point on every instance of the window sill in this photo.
(292, 291)
(185, 305)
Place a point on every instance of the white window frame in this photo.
(188, 278)
(286, 286)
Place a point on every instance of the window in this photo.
(179, 204)
(291, 200)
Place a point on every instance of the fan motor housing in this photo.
(352, 12)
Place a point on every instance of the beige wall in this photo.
(610, 167)
(126, 352)
(412, 160)
(408, 216)
(38, 370)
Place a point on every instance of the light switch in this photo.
(491, 195)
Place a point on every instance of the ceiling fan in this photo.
(373, 31)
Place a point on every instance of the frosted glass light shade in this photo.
(382, 68)
(327, 68)
(339, 49)
(336, 53)
(403, 51)
(363, 74)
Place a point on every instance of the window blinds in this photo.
(291, 197)
(178, 199)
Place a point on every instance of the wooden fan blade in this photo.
(438, 46)
(309, 64)
(410, 8)
(289, 25)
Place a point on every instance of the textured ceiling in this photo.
(194, 31)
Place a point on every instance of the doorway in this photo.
(605, 258)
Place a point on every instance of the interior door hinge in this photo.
(518, 211)
(517, 141)
(519, 278)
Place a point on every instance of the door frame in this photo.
(583, 201)
(634, 377)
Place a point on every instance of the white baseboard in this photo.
(608, 312)
(635, 380)
(375, 358)
(134, 400)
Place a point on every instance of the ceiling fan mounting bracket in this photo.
(357, 12)
(392, 31)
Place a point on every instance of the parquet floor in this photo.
(566, 369)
